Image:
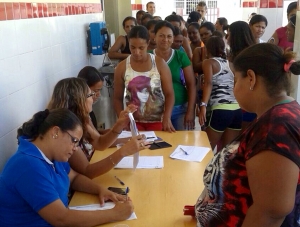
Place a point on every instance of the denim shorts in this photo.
(177, 117)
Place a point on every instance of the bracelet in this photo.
(110, 158)
(116, 132)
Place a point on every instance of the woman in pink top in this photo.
(279, 37)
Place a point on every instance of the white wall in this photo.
(275, 18)
(35, 54)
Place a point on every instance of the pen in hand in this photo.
(126, 192)
(184, 151)
(121, 182)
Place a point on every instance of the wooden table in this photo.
(158, 195)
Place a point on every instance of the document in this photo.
(107, 206)
(124, 134)
(145, 162)
(134, 132)
(150, 135)
(190, 153)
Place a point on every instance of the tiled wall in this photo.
(23, 10)
(35, 53)
(264, 4)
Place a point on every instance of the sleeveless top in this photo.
(144, 90)
(223, 82)
(126, 49)
(282, 38)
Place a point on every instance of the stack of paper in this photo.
(107, 206)
(145, 162)
(190, 153)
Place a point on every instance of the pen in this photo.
(150, 137)
(126, 191)
(184, 151)
(121, 182)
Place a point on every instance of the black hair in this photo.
(91, 75)
(180, 17)
(223, 21)
(151, 23)
(42, 121)
(258, 18)
(201, 4)
(173, 18)
(146, 16)
(291, 7)
(140, 12)
(195, 25)
(127, 19)
(210, 26)
(218, 33)
(177, 31)
(194, 16)
(163, 23)
(216, 47)
(267, 61)
(139, 32)
(240, 37)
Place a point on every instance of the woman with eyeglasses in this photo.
(35, 181)
(74, 94)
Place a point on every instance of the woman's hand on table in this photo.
(105, 194)
(135, 144)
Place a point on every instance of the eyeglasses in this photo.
(292, 23)
(91, 94)
(74, 140)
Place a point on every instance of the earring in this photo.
(55, 137)
(251, 88)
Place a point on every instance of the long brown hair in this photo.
(71, 93)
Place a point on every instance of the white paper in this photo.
(194, 154)
(150, 135)
(125, 134)
(134, 132)
(107, 206)
(145, 162)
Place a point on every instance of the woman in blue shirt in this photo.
(35, 181)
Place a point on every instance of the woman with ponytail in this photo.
(35, 181)
(254, 180)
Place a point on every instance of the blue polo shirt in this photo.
(28, 183)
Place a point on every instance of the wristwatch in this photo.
(203, 104)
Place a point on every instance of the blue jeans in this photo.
(177, 117)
